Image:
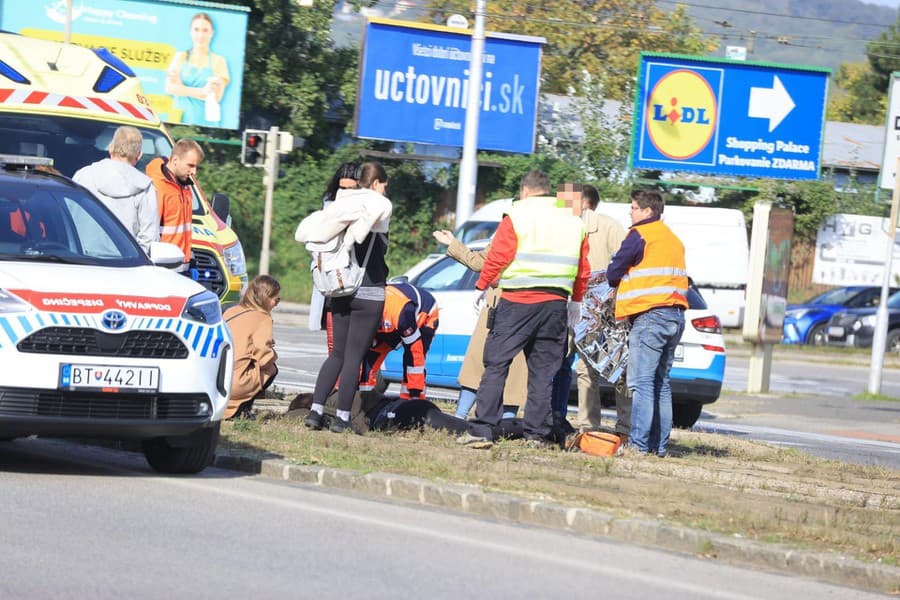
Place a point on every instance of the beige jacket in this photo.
(605, 235)
(254, 354)
(516, 389)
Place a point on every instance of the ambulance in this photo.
(63, 102)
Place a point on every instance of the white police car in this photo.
(696, 375)
(95, 339)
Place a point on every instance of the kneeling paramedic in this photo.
(410, 318)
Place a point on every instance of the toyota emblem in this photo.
(113, 320)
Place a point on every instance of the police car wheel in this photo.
(190, 454)
(685, 415)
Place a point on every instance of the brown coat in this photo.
(516, 388)
(254, 354)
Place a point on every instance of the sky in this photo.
(888, 3)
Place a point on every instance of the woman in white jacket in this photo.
(355, 318)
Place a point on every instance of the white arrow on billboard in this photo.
(772, 103)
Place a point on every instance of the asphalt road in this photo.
(91, 522)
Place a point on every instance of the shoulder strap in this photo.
(368, 251)
(232, 317)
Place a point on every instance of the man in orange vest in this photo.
(650, 275)
(173, 178)
(410, 318)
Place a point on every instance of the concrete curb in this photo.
(470, 499)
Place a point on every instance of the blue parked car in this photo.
(807, 323)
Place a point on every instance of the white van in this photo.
(717, 251)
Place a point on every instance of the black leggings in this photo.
(355, 322)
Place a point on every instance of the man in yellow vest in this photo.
(539, 256)
(649, 272)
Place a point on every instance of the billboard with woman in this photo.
(188, 56)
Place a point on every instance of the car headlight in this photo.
(203, 308)
(868, 321)
(12, 304)
(234, 258)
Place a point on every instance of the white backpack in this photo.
(335, 270)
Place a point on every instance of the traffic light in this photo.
(253, 149)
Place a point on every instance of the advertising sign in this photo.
(189, 57)
(730, 118)
(888, 175)
(850, 250)
(413, 86)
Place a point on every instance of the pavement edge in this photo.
(470, 499)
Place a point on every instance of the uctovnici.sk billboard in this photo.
(726, 117)
(147, 35)
(413, 86)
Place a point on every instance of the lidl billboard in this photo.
(726, 117)
(413, 86)
(183, 52)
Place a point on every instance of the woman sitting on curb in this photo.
(250, 322)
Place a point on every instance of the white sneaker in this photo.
(474, 441)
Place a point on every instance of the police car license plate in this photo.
(108, 378)
(679, 352)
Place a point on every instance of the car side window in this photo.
(447, 275)
(95, 240)
(865, 299)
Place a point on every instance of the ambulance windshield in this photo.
(71, 143)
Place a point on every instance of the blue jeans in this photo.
(651, 350)
(465, 402)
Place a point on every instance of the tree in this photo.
(294, 76)
(858, 99)
(864, 86)
(593, 136)
(593, 36)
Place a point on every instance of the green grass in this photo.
(866, 396)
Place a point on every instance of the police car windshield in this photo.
(45, 221)
(71, 143)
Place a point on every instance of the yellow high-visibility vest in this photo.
(549, 245)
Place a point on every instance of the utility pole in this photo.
(68, 37)
(468, 167)
(876, 364)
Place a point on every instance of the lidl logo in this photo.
(681, 114)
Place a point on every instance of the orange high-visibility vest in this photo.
(660, 279)
(397, 327)
(176, 207)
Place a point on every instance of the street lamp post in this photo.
(468, 167)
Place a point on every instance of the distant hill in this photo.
(822, 33)
(819, 33)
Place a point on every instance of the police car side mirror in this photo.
(399, 279)
(164, 254)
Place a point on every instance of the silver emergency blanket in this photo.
(600, 340)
